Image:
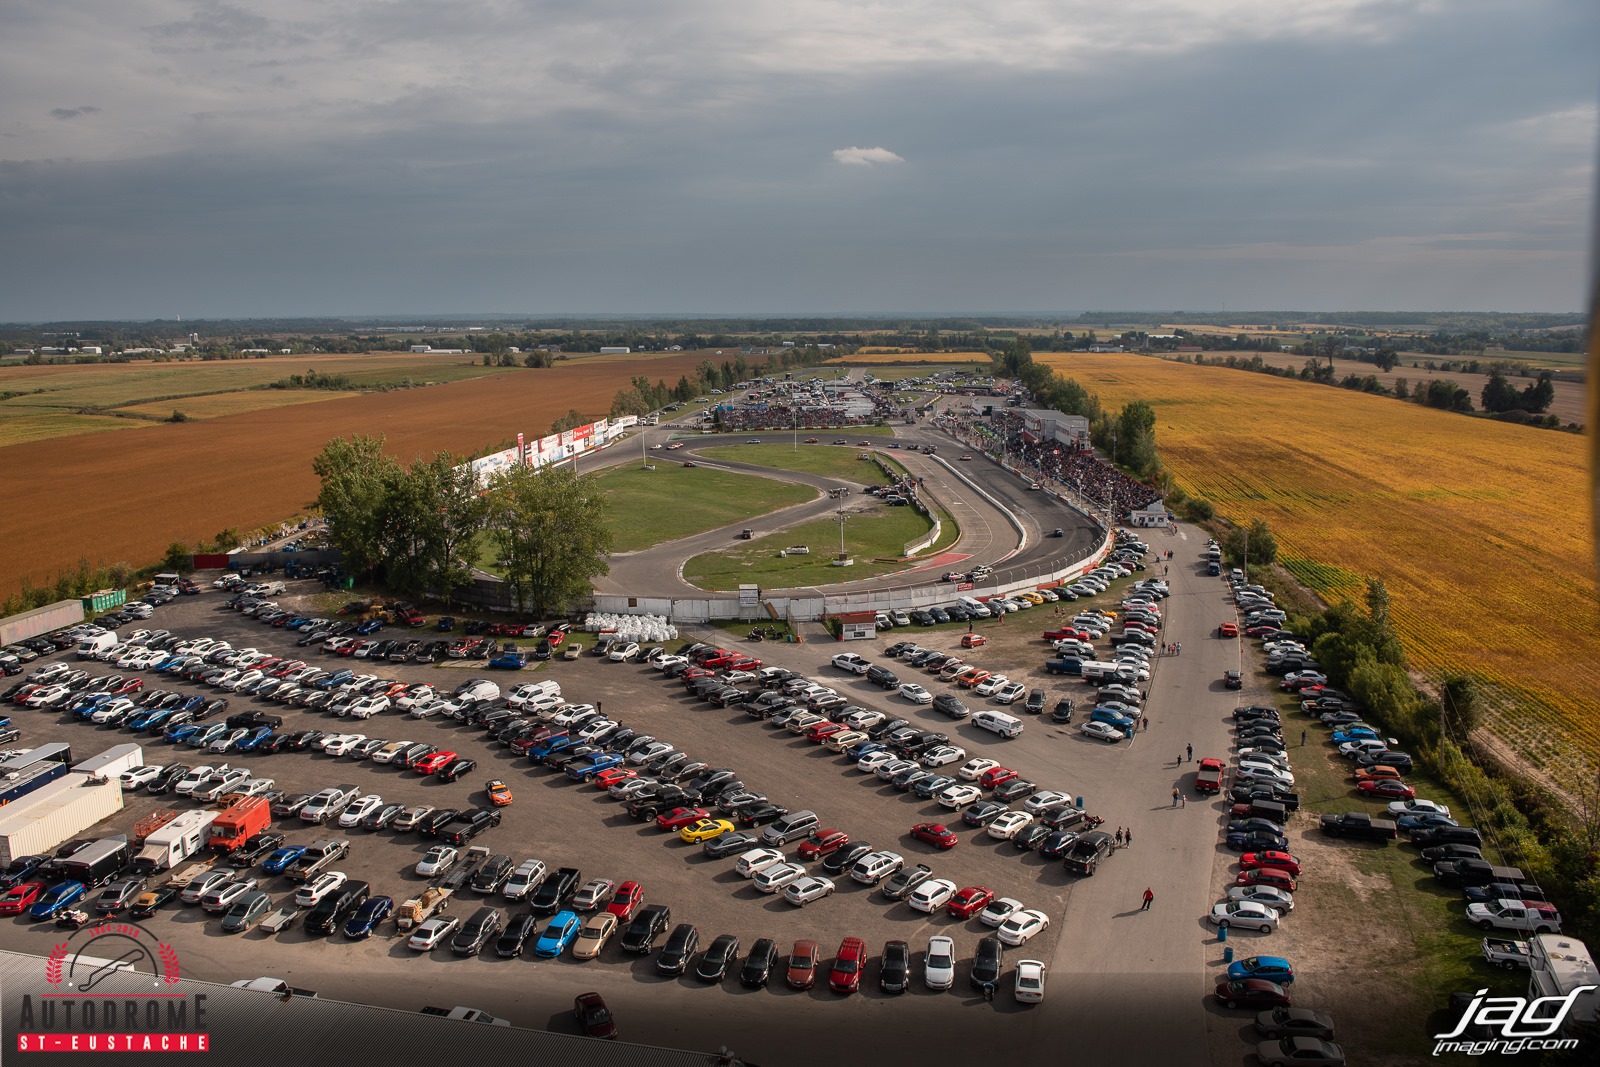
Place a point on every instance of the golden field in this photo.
(1480, 529)
(870, 354)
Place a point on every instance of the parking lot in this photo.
(565, 823)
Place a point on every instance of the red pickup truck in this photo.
(1208, 777)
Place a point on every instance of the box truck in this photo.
(240, 824)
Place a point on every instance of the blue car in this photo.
(140, 720)
(1111, 718)
(1267, 968)
(862, 749)
(371, 626)
(175, 735)
(193, 704)
(561, 932)
(1423, 820)
(548, 747)
(511, 661)
(250, 742)
(1357, 733)
(56, 898)
(371, 912)
(585, 769)
(338, 677)
(158, 720)
(280, 860)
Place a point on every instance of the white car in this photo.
(1270, 757)
(778, 876)
(1021, 926)
(649, 752)
(429, 935)
(360, 809)
(943, 755)
(954, 797)
(804, 890)
(139, 777)
(367, 707)
(1364, 746)
(311, 894)
(757, 860)
(417, 694)
(894, 767)
(668, 662)
(1010, 825)
(339, 744)
(1010, 693)
(939, 968)
(570, 713)
(973, 769)
(1245, 913)
(1279, 900)
(389, 751)
(1030, 982)
(864, 719)
(999, 910)
(991, 685)
(197, 777)
(915, 693)
(623, 652)
(221, 784)
(849, 661)
(1042, 801)
(1101, 731)
(932, 895)
(1418, 807)
(873, 760)
(440, 858)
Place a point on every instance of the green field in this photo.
(873, 540)
(673, 501)
(830, 461)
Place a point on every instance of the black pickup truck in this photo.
(1360, 824)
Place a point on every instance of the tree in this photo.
(550, 527)
(1253, 544)
(1463, 710)
(571, 420)
(1378, 602)
(1386, 358)
(1136, 437)
(1498, 394)
(1536, 398)
(356, 477)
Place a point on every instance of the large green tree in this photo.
(432, 516)
(356, 476)
(550, 527)
(1136, 438)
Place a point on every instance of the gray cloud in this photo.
(388, 157)
(72, 112)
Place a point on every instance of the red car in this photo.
(1387, 789)
(1266, 629)
(1228, 629)
(802, 972)
(19, 899)
(745, 664)
(131, 685)
(822, 843)
(973, 640)
(678, 818)
(1283, 861)
(822, 731)
(555, 637)
(845, 977)
(626, 900)
(694, 674)
(936, 834)
(434, 763)
(721, 661)
(1273, 876)
(969, 901)
(995, 776)
(608, 778)
(285, 669)
(1252, 993)
(592, 1014)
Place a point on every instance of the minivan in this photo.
(791, 827)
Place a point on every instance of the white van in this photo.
(976, 607)
(90, 647)
(997, 722)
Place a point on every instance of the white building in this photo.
(1153, 514)
(615, 350)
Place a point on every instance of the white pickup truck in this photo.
(1524, 916)
(465, 1014)
(1504, 953)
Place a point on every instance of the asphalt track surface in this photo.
(1004, 525)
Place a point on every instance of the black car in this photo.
(758, 813)
(250, 852)
(288, 807)
(758, 965)
(430, 824)
(895, 975)
(717, 959)
(301, 740)
(903, 884)
(455, 769)
(1015, 789)
(842, 859)
(555, 891)
(1035, 702)
(476, 931)
(647, 925)
(382, 817)
(681, 943)
(987, 963)
(1056, 842)
(253, 718)
(492, 875)
(151, 901)
(724, 845)
(163, 782)
(951, 705)
(983, 812)
(1030, 836)
(334, 908)
(522, 926)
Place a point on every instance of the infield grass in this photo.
(874, 540)
(830, 461)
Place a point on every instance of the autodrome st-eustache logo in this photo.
(80, 1013)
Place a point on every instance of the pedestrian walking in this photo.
(1180, 648)
(1149, 895)
(1118, 836)
(1183, 800)
(1302, 738)
(1127, 836)
(1174, 796)
(1144, 723)
(1188, 751)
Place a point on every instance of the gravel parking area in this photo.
(565, 823)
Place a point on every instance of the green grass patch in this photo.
(830, 461)
(867, 538)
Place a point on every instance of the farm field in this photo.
(247, 470)
(215, 405)
(869, 354)
(1478, 528)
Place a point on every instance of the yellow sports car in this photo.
(597, 930)
(704, 830)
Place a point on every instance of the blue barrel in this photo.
(1222, 933)
(1227, 954)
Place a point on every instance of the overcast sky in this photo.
(348, 157)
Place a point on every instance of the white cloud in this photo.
(865, 157)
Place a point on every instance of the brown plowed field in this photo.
(127, 495)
